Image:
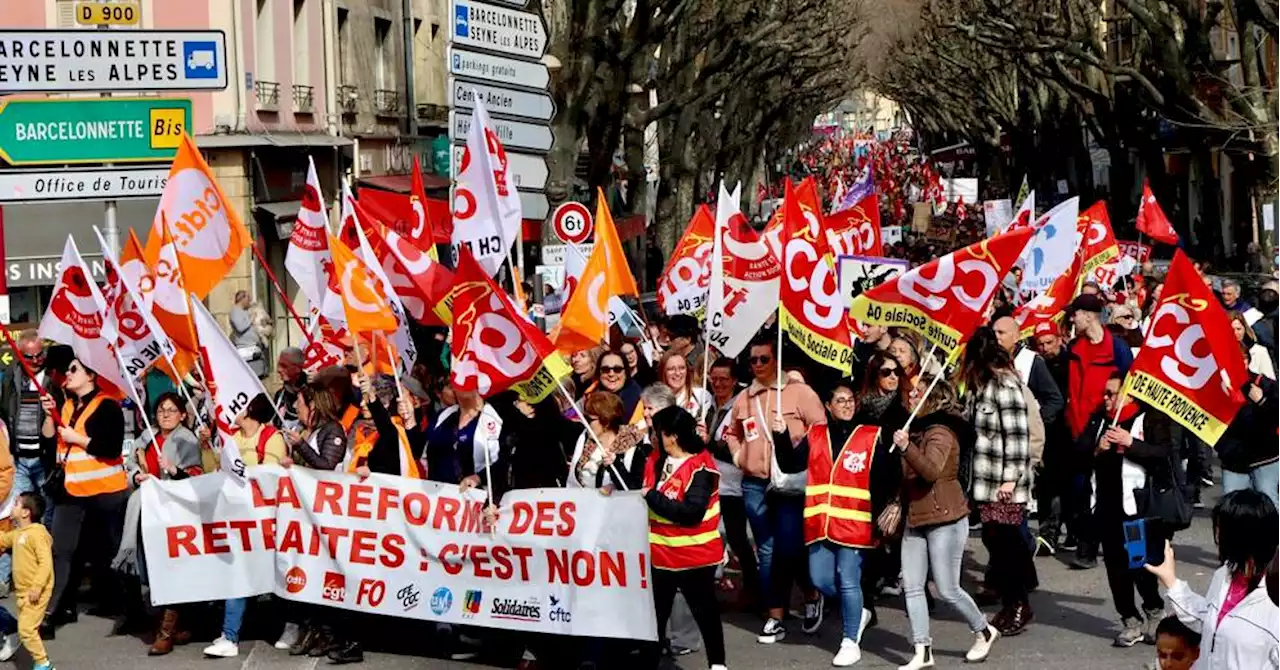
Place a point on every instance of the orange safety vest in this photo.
(365, 436)
(837, 503)
(675, 547)
(88, 475)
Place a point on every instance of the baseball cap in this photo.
(1087, 302)
(1047, 328)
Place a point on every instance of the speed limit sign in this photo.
(572, 223)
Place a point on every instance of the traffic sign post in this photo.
(96, 184)
(53, 61)
(92, 130)
(530, 173)
(572, 223)
(511, 133)
(497, 69)
(492, 28)
(499, 100)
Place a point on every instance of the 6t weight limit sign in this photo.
(572, 223)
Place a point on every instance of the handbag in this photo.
(1171, 505)
(54, 487)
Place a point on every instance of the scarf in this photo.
(874, 405)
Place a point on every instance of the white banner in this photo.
(562, 561)
(997, 214)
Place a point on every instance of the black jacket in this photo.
(10, 398)
(690, 510)
(1046, 391)
(1250, 438)
(1155, 453)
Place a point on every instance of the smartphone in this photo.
(1135, 543)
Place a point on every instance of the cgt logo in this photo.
(335, 587)
(295, 580)
(556, 613)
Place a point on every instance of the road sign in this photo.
(108, 13)
(112, 60)
(92, 130)
(498, 69)
(534, 205)
(511, 133)
(500, 100)
(528, 172)
(497, 29)
(572, 223)
(106, 184)
(555, 254)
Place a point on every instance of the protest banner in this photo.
(560, 561)
(858, 274)
(997, 214)
(1135, 250)
(743, 291)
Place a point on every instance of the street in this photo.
(1073, 628)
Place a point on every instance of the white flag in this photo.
(231, 382)
(308, 259)
(486, 206)
(140, 341)
(75, 318)
(1053, 248)
(401, 339)
(745, 279)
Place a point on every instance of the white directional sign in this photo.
(500, 100)
(113, 60)
(497, 69)
(511, 133)
(534, 205)
(528, 172)
(498, 29)
(108, 184)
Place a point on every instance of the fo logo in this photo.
(295, 580)
(335, 587)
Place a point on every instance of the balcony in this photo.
(348, 99)
(304, 99)
(268, 95)
(386, 102)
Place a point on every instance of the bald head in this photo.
(1006, 332)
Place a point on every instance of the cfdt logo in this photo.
(295, 580)
(335, 587)
(441, 601)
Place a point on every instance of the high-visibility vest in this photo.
(363, 436)
(675, 547)
(88, 475)
(837, 504)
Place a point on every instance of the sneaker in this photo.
(848, 655)
(812, 616)
(1206, 481)
(10, 647)
(982, 644)
(862, 625)
(1069, 544)
(772, 632)
(1044, 547)
(222, 648)
(892, 589)
(1083, 563)
(1148, 627)
(289, 637)
(47, 665)
(1130, 633)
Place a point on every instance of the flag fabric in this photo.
(140, 342)
(307, 258)
(135, 272)
(170, 306)
(1048, 306)
(585, 319)
(425, 233)
(1024, 192)
(364, 299)
(745, 279)
(837, 196)
(230, 382)
(682, 289)
(1052, 248)
(486, 206)
(494, 347)
(1152, 220)
(421, 282)
(945, 300)
(1189, 366)
(811, 308)
(205, 226)
(1026, 214)
(1097, 240)
(74, 317)
(328, 345)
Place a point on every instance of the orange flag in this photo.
(163, 288)
(206, 226)
(363, 297)
(586, 318)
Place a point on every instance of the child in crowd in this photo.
(1177, 646)
(32, 548)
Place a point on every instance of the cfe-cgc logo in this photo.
(409, 597)
(441, 601)
(295, 580)
(471, 603)
(335, 587)
(511, 609)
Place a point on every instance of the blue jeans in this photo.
(777, 525)
(232, 616)
(826, 561)
(8, 624)
(1263, 479)
(28, 476)
(939, 549)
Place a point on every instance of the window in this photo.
(264, 43)
(344, 44)
(300, 44)
(384, 73)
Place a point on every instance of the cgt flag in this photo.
(811, 308)
(308, 259)
(1152, 220)
(140, 342)
(683, 286)
(743, 292)
(1097, 240)
(854, 230)
(1185, 368)
(494, 348)
(1048, 306)
(945, 300)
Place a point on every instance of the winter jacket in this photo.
(930, 477)
(1150, 453)
(1002, 450)
(748, 432)
(1087, 379)
(1250, 438)
(1245, 639)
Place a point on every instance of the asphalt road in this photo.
(1073, 627)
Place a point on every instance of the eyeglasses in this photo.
(1124, 317)
(1108, 394)
(72, 369)
(167, 410)
(842, 400)
(615, 369)
(760, 360)
(890, 372)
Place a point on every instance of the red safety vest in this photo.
(837, 504)
(674, 547)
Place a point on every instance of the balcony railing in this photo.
(348, 98)
(304, 99)
(386, 102)
(268, 95)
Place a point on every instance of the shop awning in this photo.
(402, 183)
(246, 141)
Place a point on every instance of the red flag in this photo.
(945, 300)
(683, 286)
(1097, 240)
(494, 348)
(856, 231)
(1048, 306)
(1151, 219)
(811, 308)
(1190, 367)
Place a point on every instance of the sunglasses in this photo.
(890, 372)
(760, 360)
(34, 357)
(616, 369)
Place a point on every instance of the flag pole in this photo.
(920, 403)
(297, 320)
(778, 381)
(594, 438)
(26, 367)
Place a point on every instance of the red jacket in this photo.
(1089, 366)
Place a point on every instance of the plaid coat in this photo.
(1003, 450)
